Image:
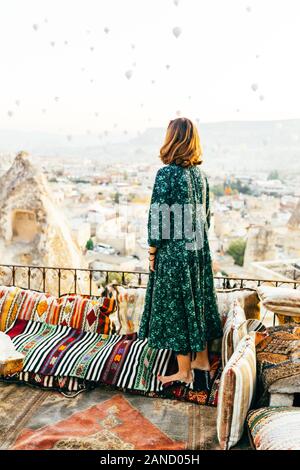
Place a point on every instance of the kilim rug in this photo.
(103, 419)
(62, 357)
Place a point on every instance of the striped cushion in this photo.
(61, 351)
(71, 310)
(66, 384)
(275, 428)
(236, 392)
(231, 331)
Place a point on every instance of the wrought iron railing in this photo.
(58, 281)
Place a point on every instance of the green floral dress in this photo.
(181, 311)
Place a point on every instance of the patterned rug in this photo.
(102, 419)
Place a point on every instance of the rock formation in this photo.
(33, 231)
(260, 244)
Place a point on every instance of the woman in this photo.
(181, 311)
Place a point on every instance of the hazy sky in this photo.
(62, 72)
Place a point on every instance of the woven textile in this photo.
(130, 305)
(275, 428)
(236, 391)
(60, 357)
(61, 351)
(66, 384)
(278, 357)
(71, 310)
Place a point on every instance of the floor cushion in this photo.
(69, 310)
(236, 391)
(275, 428)
(278, 357)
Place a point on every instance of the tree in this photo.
(116, 197)
(237, 251)
(89, 244)
(273, 175)
(217, 190)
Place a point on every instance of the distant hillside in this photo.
(231, 146)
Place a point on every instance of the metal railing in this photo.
(58, 281)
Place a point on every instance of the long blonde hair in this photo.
(182, 144)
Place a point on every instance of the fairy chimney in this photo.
(33, 231)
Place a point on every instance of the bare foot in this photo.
(178, 376)
(198, 365)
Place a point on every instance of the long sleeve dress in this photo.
(180, 311)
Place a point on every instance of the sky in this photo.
(97, 66)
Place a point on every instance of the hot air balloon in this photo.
(44, 110)
(18, 102)
(10, 113)
(249, 9)
(167, 66)
(128, 74)
(176, 31)
(176, 2)
(52, 43)
(261, 97)
(35, 27)
(56, 98)
(254, 86)
(106, 30)
(69, 138)
(92, 48)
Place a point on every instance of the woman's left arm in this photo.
(160, 195)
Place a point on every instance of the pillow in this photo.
(275, 428)
(69, 310)
(236, 392)
(130, 305)
(236, 328)
(280, 299)
(231, 331)
(8, 306)
(248, 299)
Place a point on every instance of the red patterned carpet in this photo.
(113, 424)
